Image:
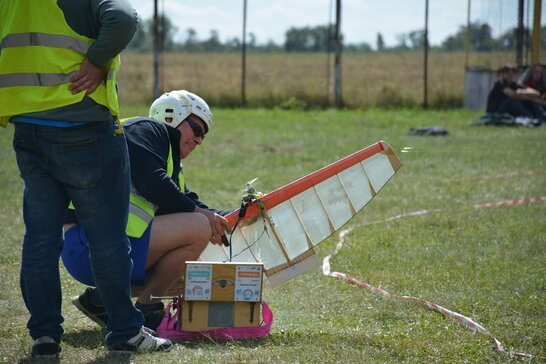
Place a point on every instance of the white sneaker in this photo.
(143, 341)
(526, 121)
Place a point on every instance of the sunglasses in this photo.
(196, 128)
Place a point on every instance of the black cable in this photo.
(242, 213)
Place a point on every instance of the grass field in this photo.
(297, 79)
(484, 263)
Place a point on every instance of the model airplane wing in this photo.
(281, 228)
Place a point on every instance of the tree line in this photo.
(321, 39)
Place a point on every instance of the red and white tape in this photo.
(478, 206)
(511, 202)
(455, 316)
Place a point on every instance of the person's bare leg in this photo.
(175, 239)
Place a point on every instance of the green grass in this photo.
(487, 264)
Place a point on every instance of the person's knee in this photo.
(203, 230)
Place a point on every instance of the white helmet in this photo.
(172, 108)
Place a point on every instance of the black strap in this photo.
(242, 212)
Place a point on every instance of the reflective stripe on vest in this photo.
(45, 40)
(141, 214)
(38, 54)
(142, 211)
(34, 79)
(38, 79)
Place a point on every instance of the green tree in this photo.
(271, 46)
(143, 40)
(191, 41)
(166, 30)
(359, 47)
(308, 39)
(507, 40)
(213, 43)
(252, 41)
(233, 44)
(380, 43)
(416, 39)
(402, 42)
(138, 43)
(480, 38)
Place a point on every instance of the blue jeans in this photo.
(526, 108)
(88, 165)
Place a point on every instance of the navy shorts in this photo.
(75, 256)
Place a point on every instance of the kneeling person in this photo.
(168, 225)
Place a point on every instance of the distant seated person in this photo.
(534, 78)
(168, 225)
(510, 98)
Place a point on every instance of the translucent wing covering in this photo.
(293, 219)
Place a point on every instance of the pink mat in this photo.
(169, 328)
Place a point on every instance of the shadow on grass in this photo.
(87, 339)
(93, 339)
(110, 358)
(31, 360)
(106, 359)
(215, 344)
(290, 338)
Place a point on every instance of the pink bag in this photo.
(169, 328)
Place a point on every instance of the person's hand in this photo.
(529, 92)
(88, 78)
(218, 224)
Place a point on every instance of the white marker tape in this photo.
(455, 316)
(478, 206)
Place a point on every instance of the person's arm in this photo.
(218, 223)
(528, 91)
(88, 78)
(118, 23)
(195, 197)
(523, 95)
(532, 95)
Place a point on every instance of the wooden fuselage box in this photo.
(221, 294)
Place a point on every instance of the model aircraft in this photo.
(281, 228)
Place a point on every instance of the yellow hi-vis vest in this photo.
(39, 52)
(142, 211)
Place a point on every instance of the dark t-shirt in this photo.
(497, 96)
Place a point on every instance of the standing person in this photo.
(168, 225)
(58, 65)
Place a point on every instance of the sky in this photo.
(361, 20)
